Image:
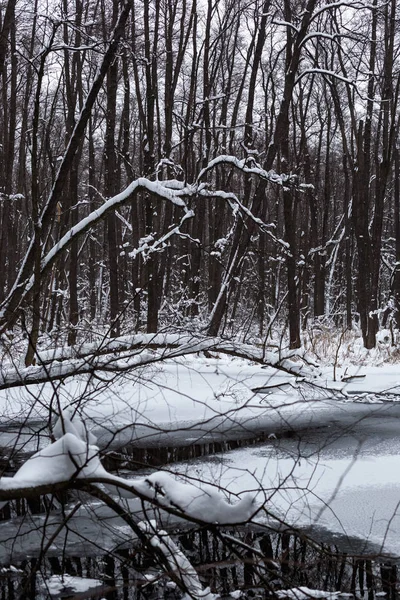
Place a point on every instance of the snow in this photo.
(242, 165)
(140, 350)
(303, 592)
(383, 379)
(10, 569)
(78, 428)
(198, 502)
(180, 393)
(146, 248)
(72, 457)
(66, 459)
(56, 584)
(201, 501)
(185, 391)
(178, 562)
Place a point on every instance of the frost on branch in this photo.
(74, 457)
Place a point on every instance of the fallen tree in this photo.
(124, 354)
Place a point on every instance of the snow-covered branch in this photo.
(142, 184)
(316, 71)
(356, 5)
(177, 561)
(156, 245)
(171, 190)
(249, 166)
(72, 461)
(119, 355)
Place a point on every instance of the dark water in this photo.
(96, 544)
(258, 562)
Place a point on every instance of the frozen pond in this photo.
(326, 467)
(339, 481)
(333, 470)
(330, 470)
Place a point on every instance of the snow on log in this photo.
(123, 354)
(178, 562)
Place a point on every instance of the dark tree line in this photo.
(276, 124)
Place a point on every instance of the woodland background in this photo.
(275, 124)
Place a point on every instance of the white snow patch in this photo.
(56, 584)
(302, 593)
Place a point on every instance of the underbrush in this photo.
(342, 347)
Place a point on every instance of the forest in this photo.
(221, 166)
(194, 194)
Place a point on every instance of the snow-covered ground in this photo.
(193, 389)
(61, 584)
(178, 395)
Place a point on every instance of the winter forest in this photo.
(200, 249)
(213, 165)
